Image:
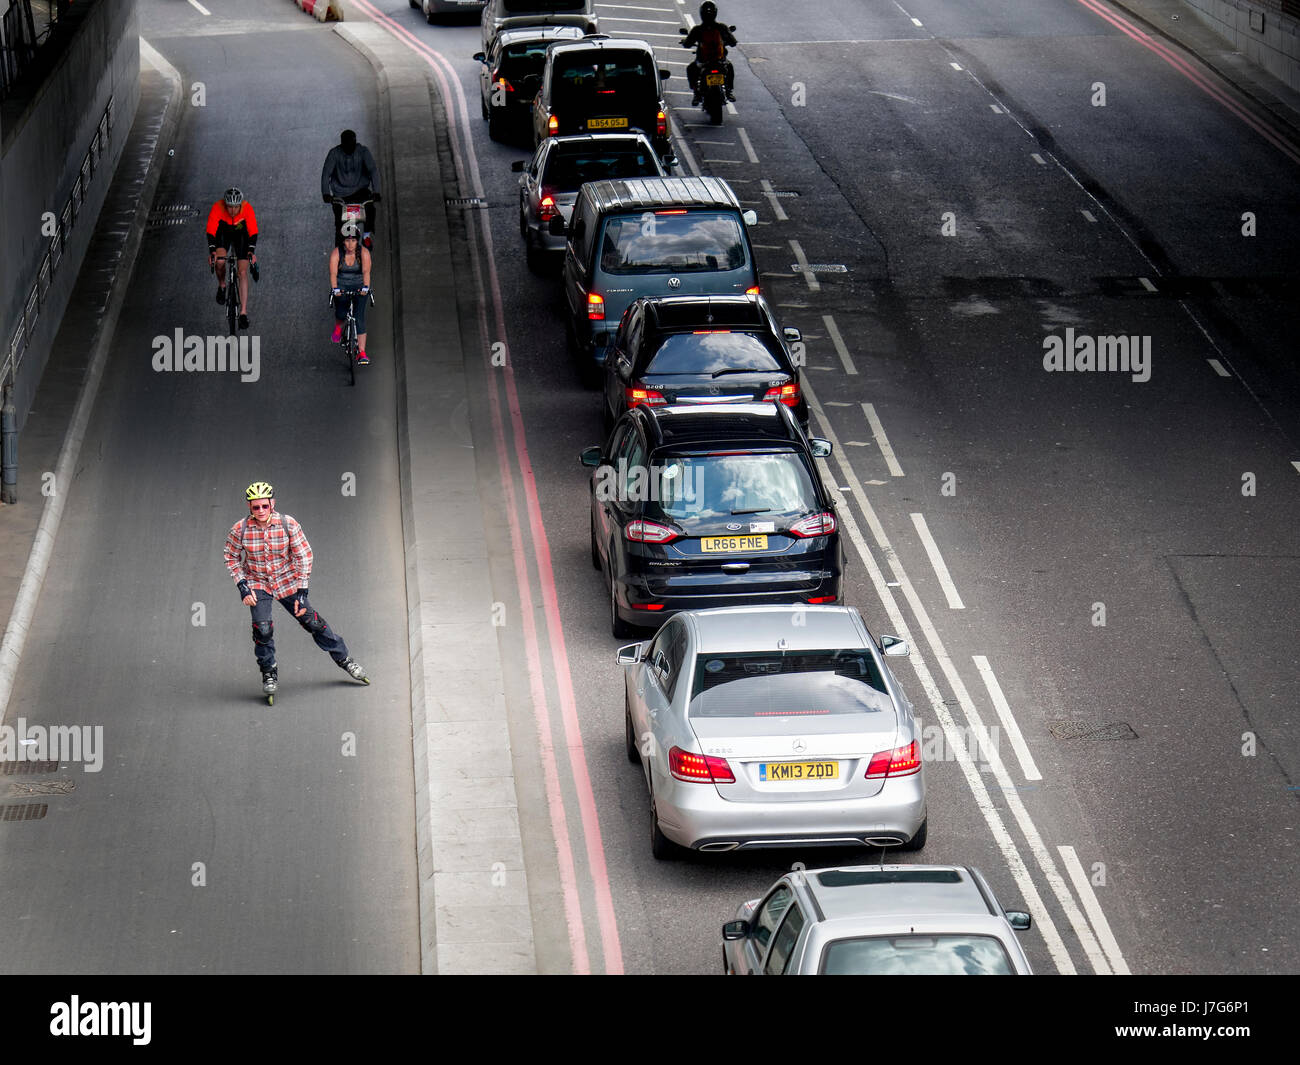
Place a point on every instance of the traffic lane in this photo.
(306, 863)
(995, 18)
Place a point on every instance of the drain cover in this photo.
(172, 214)
(1090, 730)
(17, 788)
(27, 811)
(16, 768)
(466, 201)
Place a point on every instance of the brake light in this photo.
(824, 599)
(552, 126)
(702, 332)
(752, 290)
(505, 85)
(702, 768)
(900, 762)
(649, 532)
(647, 606)
(595, 307)
(675, 211)
(787, 394)
(661, 125)
(547, 209)
(647, 397)
(822, 524)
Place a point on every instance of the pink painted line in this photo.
(541, 711)
(1268, 132)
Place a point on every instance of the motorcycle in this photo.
(712, 85)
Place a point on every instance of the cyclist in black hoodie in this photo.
(351, 175)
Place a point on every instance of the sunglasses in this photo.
(260, 506)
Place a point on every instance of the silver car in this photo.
(550, 180)
(879, 920)
(773, 726)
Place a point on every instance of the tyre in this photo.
(483, 108)
(535, 256)
(595, 551)
(429, 16)
(629, 734)
(608, 420)
(713, 105)
(620, 628)
(496, 127)
(918, 840)
(663, 849)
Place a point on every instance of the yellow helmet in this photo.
(259, 490)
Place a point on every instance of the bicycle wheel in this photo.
(232, 293)
(351, 347)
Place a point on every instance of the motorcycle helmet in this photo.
(708, 11)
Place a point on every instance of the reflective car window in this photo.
(940, 955)
(658, 242)
(707, 353)
(769, 916)
(541, 7)
(713, 488)
(760, 684)
(676, 653)
(632, 474)
(568, 170)
(778, 958)
(584, 79)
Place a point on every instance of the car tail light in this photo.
(552, 126)
(505, 84)
(701, 768)
(787, 394)
(547, 209)
(824, 599)
(822, 524)
(647, 606)
(647, 397)
(900, 762)
(649, 532)
(595, 307)
(661, 125)
(752, 290)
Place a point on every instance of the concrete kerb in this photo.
(11, 648)
(474, 915)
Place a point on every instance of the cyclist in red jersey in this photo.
(232, 224)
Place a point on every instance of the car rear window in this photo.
(569, 170)
(541, 7)
(913, 955)
(520, 60)
(673, 241)
(584, 79)
(710, 352)
(794, 683)
(729, 488)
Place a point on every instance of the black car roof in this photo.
(599, 42)
(519, 34)
(634, 194)
(665, 313)
(739, 426)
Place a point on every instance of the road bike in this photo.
(232, 288)
(352, 212)
(350, 343)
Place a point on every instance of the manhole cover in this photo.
(1090, 730)
(466, 201)
(27, 811)
(17, 768)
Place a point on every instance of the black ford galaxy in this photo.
(702, 507)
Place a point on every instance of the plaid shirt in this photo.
(275, 557)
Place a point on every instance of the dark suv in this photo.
(601, 84)
(703, 350)
(694, 507)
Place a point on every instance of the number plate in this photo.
(791, 771)
(733, 543)
(607, 123)
(715, 79)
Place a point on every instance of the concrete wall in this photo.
(44, 140)
(1258, 31)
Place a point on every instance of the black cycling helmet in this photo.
(708, 11)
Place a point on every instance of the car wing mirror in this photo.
(1018, 919)
(750, 217)
(734, 930)
(629, 654)
(792, 335)
(894, 646)
(821, 449)
(591, 456)
(664, 75)
(480, 57)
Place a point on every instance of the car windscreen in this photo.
(916, 955)
(719, 488)
(609, 79)
(541, 7)
(709, 352)
(673, 241)
(568, 170)
(783, 684)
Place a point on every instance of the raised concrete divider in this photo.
(474, 909)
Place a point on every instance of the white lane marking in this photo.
(637, 7)
(199, 7)
(672, 62)
(996, 109)
(1090, 903)
(1037, 158)
(1297, 466)
(648, 33)
(684, 149)
(1146, 284)
(846, 360)
(1009, 724)
(813, 284)
(749, 148)
(916, 22)
(731, 108)
(777, 209)
(886, 448)
(1014, 803)
(974, 779)
(936, 561)
(705, 159)
(1089, 216)
(647, 21)
(725, 144)
(1218, 368)
(955, 66)
(678, 92)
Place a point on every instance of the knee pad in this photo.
(312, 622)
(263, 632)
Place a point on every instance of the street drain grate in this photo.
(17, 767)
(466, 201)
(1088, 730)
(18, 788)
(28, 811)
(173, 214)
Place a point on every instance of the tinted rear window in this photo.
(772, 684)
(588, 79)
(727, 488)
(541, 7)
(911, 955)
(656, 242)
(519, 60)
(569, 169)
(707, 353)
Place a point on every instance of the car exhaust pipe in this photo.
(883, 841)
(714, 847)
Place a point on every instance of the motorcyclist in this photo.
(710, 39)
(350, 174)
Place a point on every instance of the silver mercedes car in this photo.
(877, 920)
(773, 726)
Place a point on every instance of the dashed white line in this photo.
(1089, 216)
(777, 209)
(916, 22)
(1218, 368)
(846, 360)
(1037, 158)
(703, 159)
(955, 66)
(886, 448)
(813, 284)
(1089, 898)
(936, 561)
(1009, 724)
(199, 7)
(1146, 284)
(749, 148)
(996, 109)
(645, 21)
(1297, 466)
